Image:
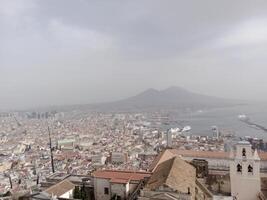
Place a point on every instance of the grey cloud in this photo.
(65, 51)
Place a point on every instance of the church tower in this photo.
(245, 172)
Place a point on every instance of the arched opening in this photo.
(244, 152)
(188, 191)
(250, 169)
(239, 168)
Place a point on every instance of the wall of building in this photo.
(118, 157)
(215, 163)
(219, 184)
(132, 187)
(99, 185)
(245, 185)
(67, 195)
(248, 188)
(98, 159)
(120, 190)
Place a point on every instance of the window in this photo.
(244, 152)
(106, 190)
(239, 168)
(188, 191)
(250, 169)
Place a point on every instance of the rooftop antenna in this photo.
(10, 181)
(18, 123)
(37, 179)
(51, 151)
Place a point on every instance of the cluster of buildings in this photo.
(123, 156)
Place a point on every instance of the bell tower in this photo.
(245, 172)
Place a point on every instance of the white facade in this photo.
(121, 190)
(98, 159)
(102, 189)
(67, 195)
(117, 157)
(245, 172)
(169, 139)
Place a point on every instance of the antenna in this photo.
(37, 179)
(51, 151)
(10, 181)
(18, 123)
(9, 178)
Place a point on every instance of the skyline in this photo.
(51, 55)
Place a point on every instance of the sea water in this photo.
(227, 121)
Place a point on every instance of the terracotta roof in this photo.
(210, 154)
(170, 153)
(60, 188)
(263, 155)
(117, 176)
(201, 154)
(174, 173)
(163, 156)
(116, 180)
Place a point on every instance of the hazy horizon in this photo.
(75, 52)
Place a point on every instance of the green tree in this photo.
(83, 193)
(76, 193)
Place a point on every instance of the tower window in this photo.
(244, 152)
(239, 168)
(250, 169)
(188, 191)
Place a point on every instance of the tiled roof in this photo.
(60, 188)
(210, 154)
(117, 176)
(163, 156)
(263, 155)
(170, 153)
(174, 173)
(201, 154)
(117, 180)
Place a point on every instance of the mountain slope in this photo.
(170, 98)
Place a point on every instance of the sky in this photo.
(60, 52)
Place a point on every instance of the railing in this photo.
(204, 189)
(261, 196)
(133, 196)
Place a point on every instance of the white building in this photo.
(66, 144)
(169, 139)
(245, 172)
(118, 157)
(98, 159)
(110, 183)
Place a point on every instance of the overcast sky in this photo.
(56, 52)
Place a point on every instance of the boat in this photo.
(243, 117)
(186, 129)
